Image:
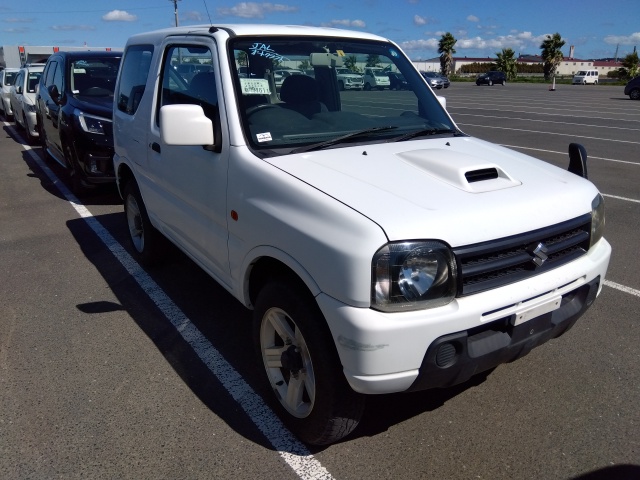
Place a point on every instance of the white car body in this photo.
(325, 213)
(23, 99)
(585, 77)
(375, 77)
(7, 78)
(347, 80)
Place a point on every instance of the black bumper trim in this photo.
(488, 346)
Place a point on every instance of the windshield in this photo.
(94, 77)
(314, 109)
(9, 78)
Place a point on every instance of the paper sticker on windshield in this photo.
(263, 137)
(255, 86)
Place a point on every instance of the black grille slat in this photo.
(507, 260)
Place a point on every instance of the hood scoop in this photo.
(460, 170)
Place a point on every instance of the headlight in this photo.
(91, 123)
(413, 276)
(597, 219)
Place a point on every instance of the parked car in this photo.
(7, 79)
(74, 108)
(380, 248)
(23, 99)
(445, 81)
(433, 79)
(491, 78)
(375, 77)
(632, 88)
(347, 80)
(585, 77)
(397, 81)
(281, 75)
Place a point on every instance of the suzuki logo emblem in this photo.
(540, 254)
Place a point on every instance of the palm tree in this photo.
(630, 64)
(507, 63)
(350, 62)
(446, 51)
(551, 54)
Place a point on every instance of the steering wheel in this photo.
(257, 108)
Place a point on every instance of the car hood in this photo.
(444, 188)
(102, 106)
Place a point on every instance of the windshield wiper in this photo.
(424, 132)
(348, 136)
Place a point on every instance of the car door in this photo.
(50, 109)
(190, 181)
(16, 97)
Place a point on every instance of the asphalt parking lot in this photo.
(108, 371)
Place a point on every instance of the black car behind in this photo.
(633, 88)
(491, 78)
(74, 111)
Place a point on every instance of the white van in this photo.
(584, 77)
(380, 248)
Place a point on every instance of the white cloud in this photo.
(473, 18)
(18, 20)
(418, 20)
(345, 23)
(430, 44)
(192, 16)
(632, 39)
(67, 28)
(119, 16)
(255, 10)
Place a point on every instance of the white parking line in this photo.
(292, 451)
(622, 288)
(565, 153)
(547, 133)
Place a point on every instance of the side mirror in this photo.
(185, 125)
(578, 160)
(443, 102)
(53, 93)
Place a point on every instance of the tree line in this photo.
(506, 61)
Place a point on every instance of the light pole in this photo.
(175, 9)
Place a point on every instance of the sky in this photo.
(596, 28)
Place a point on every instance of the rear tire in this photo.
(635, 94)
(149, 245)
(302, 367)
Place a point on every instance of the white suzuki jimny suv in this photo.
(380, 248)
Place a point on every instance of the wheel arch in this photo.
(124, 175)
(270, 264)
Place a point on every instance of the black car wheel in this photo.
(77, 184)
(302, 366)
(491, 83)
(634, 94)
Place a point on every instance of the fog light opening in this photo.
(447, 355)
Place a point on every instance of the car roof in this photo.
(90, 54)
(157, 36)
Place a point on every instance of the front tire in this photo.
(491, 83)
(149, 245)
(635, 94)
(302, 366)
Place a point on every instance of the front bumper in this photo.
(395, 352)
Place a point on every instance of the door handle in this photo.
(155, 147)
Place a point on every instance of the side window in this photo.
(48, 73)
(133, 78)
(188, 77)
(58, 77)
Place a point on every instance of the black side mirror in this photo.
(53, 93)
(578, 160)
